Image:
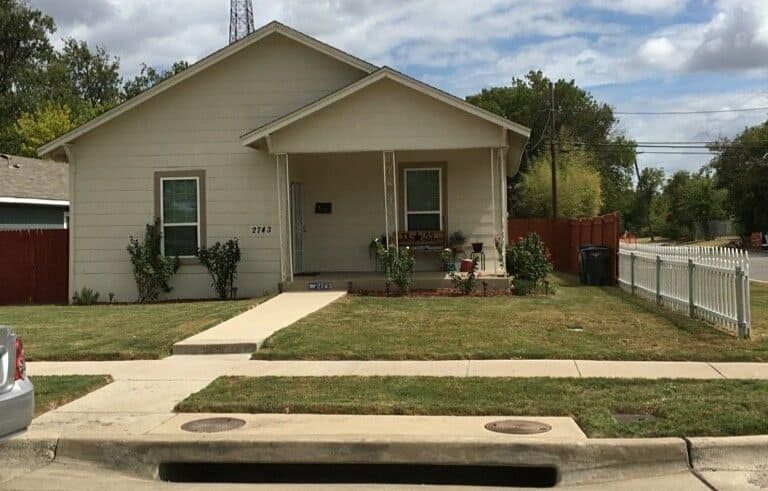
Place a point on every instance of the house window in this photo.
(180, 215)
(423, 199)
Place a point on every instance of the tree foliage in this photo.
(692, 202)
(580, 118)
(579, 188)
(741, 169)
(149, 77)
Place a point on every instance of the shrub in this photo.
(151, 270)
(85, 296)
(528, 259)
(221, 263)
(465, 285)
(398, 265)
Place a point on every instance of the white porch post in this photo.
(499, 201)
(284, 216)
(391, 215)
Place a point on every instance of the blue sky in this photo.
(637, 55)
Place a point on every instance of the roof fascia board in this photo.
(212, 59)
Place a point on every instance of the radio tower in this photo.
(240, 20)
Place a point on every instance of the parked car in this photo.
(17, 395)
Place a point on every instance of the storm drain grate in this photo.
(518, 427)
(213, 425)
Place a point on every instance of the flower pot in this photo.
(477, 247)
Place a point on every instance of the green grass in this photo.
(616, 326)
(54, 391)
(681, 407)
(113, 332)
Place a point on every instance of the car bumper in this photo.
(17, 407)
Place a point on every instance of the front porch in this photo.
(376, 282)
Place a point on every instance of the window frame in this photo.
(199, 177)
(438, 212)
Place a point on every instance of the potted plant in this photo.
(477, 247)
(456, 241)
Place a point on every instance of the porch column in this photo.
(284, 216)
(391, 215)
(499, 201)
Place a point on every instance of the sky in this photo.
(636, 55)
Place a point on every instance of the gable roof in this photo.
(383, 73)
(33, 181)
(261, 33)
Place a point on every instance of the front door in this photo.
(297, 226)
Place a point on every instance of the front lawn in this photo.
(113, 332)
(679, 407)
(578, 322)
(54, 391)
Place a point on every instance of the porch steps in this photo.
(246, 332)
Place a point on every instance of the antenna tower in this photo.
(240, 20)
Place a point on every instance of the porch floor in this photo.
(376, 281)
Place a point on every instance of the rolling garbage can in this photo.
(595, 265)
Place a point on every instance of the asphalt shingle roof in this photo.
(22, 177)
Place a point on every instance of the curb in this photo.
(577, 461)
(20, 454)
(734, 453)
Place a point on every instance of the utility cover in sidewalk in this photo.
(518, 427)
(213, 425)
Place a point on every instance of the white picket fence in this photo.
(711, 283)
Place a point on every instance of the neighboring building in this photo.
(34, 194)
(303, 152)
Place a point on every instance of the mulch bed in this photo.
(440, 292)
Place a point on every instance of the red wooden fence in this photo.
(34, 266)
(564, 236)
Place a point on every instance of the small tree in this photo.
(221, 263)
(151, 269)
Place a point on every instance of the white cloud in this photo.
(638, 7)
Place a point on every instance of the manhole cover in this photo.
(213, 425)
(518, 427)
(633, 418)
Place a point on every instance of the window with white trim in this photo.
(424, 199)
(180, 212)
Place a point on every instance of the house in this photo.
(301, 151)
(34, 194)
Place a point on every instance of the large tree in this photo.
(741, 169)
(25, 50)
(580, 119)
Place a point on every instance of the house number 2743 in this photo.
(261, 230)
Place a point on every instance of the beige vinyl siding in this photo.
(195, 125)
(353, 182)
(387, 116)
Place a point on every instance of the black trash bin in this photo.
(595, 265)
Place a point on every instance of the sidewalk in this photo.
(200, 368)
(246, 332)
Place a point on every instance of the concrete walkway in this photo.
(202, 368)
(246, 332)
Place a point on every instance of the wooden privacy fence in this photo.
(564, 236)
(707, 282)
(34, 266)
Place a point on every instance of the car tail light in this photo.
(21, 363)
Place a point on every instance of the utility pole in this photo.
(552, 149)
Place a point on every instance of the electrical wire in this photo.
(706, 111)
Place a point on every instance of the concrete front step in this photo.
(246, 332)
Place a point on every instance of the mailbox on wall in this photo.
(323, 208)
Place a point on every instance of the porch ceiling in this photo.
(386, 111)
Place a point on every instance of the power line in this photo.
(675, 153)
(704, 111)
